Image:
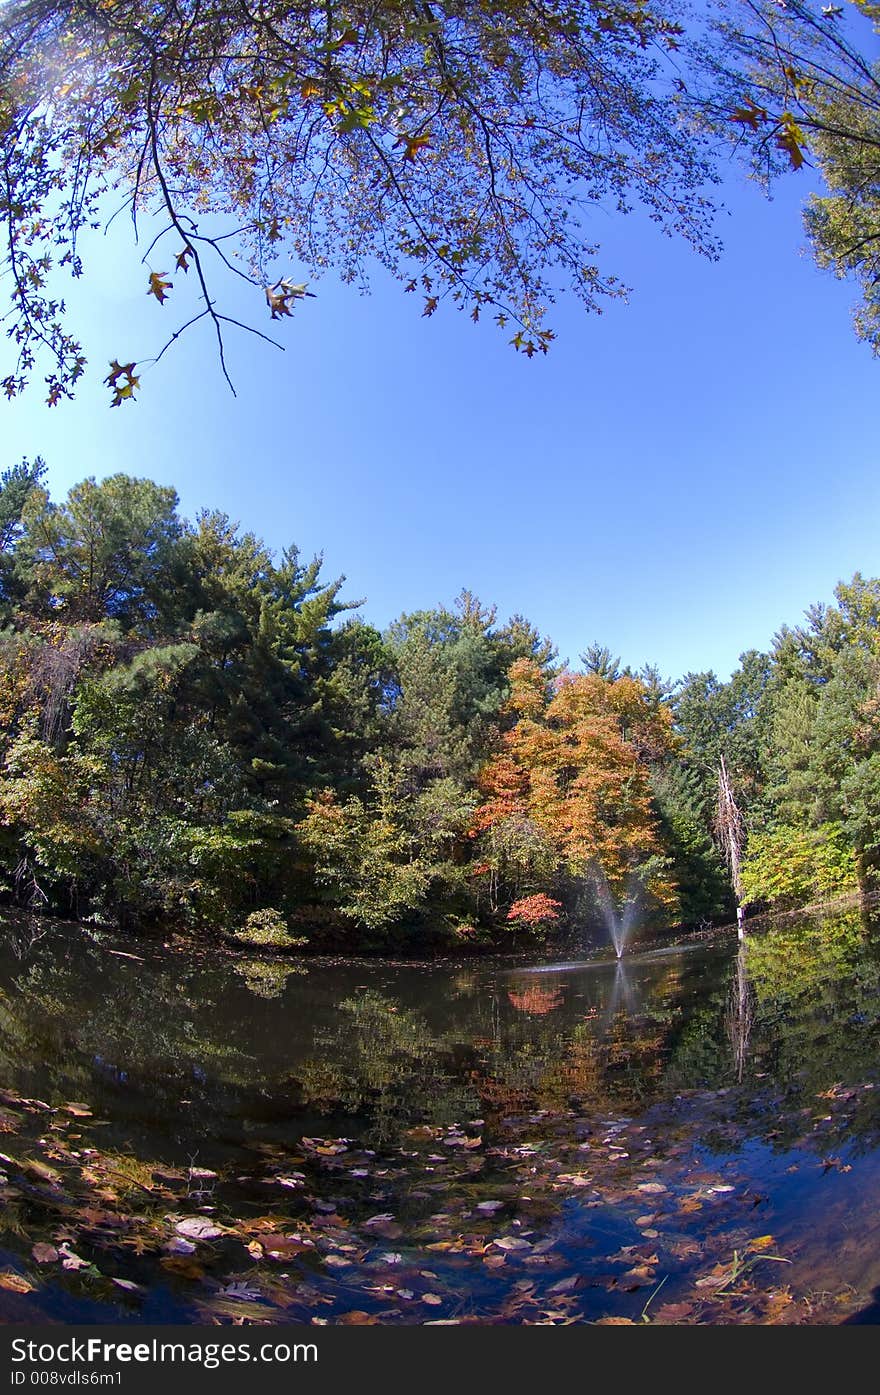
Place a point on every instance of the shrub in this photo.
(790, 867)
(536, 913)
(267, 928)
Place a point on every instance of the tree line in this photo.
(196, 733)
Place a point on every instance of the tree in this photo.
(16, 484)
(464, 147)
(823, 752)
(572, 776)
(103, 554)
(697, 866)
(798, 82)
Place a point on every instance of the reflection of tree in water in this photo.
(609, 1058)
(794, 1019)
(75, 1020)
(267, 978)
(535, 1000)
(740, 1012)
(382, 1061)
(801, 1009)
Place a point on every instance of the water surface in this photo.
(687, 1135)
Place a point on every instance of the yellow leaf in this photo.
(761, 1242)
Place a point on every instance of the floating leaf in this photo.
(45, 1254)
(198, 1228)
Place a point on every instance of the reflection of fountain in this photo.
(619, 922)
(740, 1014)
(622, 994)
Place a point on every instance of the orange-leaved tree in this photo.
(567, 800)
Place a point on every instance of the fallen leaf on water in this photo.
(179, 1246)
(281, 1246)
(16, 1283)
(70, 1260)
(222, 1307)
(198, 1228)
(241, 1292)
(673, 1312)
(45, 1254)
(180, 1265)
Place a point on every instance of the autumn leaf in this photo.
(122, 391)
(413, 144)
(749, 115)
(181, 259)
(44, 1254)
(159, 286)
(789, 138)
(310, 88)
(281, 297)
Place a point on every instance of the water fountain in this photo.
(620, 921)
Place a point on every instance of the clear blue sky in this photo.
(675, 479)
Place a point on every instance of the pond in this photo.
(687, 1136)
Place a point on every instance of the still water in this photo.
(689, 1135)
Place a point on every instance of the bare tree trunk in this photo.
(731, 832)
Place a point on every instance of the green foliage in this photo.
(686, 820)
(367, 855)
(790, 867)
(268, 929)
(189, 736)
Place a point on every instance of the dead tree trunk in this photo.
(731, 834)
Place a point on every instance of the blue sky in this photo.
(675, 479)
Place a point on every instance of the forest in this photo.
(200, 736)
